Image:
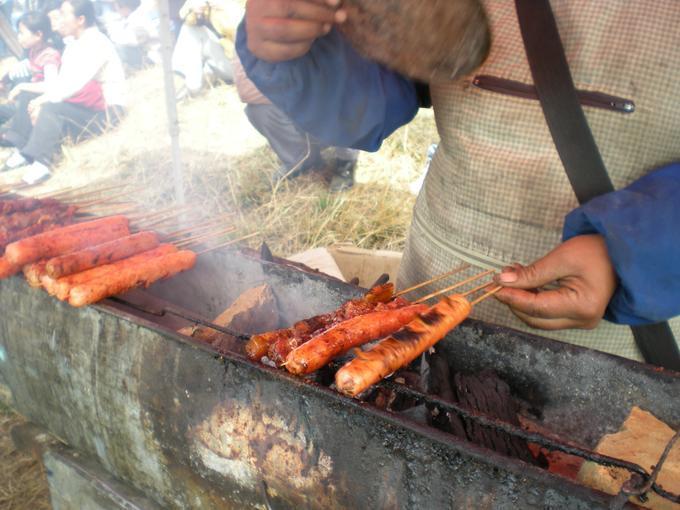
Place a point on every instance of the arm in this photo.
(39, 87)
(641, 227)
(618, 260)
(333, 92)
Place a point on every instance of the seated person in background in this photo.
(36, 37)
(297, 150)
(205, 43)
(134, 32)
(87, 95)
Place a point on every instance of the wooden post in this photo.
(170, 101)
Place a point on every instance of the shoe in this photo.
(283, 172)
(343, 175)
(35, 173)
(15, 160)
(4, 142)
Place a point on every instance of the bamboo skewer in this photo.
(173, 211)
(433, 280)
(198, 227)
(476, 289)
(98, 201)
(487, 295)
(82, 192)
(228, 243)
(205, 236)
(454, 286)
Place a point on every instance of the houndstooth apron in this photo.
(497, 192)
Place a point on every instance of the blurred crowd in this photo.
(64, 64)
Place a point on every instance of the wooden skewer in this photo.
(171, 212)
(476, 289)
(199, 226)
(205, 236)
(487, 295)
(177, 236)
(455, 286)
(83, 191)
(435, 279)
(57, 193)
(229, 243)
(98, 201)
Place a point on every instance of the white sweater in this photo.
(90, 57)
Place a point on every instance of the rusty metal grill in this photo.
(640, 482)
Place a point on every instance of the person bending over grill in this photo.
(496, 190)
(88, 93)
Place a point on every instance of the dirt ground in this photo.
(227, 166)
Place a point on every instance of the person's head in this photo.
(75, 17)
(34, 30)
(52, 9)
(126, 7)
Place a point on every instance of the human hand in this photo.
(586, 282)
(18, 89)
(34, 107)
(280, 30)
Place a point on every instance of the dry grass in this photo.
(22, 483)
(227, 167)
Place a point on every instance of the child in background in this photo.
(42, 65)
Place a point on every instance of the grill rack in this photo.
(642, 484)
(639, 483)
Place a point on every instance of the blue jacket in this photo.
(349, 101)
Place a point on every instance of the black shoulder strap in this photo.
(575, 143)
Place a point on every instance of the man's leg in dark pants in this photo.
(50, 128)
(296, 150)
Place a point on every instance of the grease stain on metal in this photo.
(247, 445)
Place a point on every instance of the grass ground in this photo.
(227, 167)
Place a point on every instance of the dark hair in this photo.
(37, 21)
(51, 5)
(130, 4)
(84, 8)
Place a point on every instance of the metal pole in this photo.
(170, 102)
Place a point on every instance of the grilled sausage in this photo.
(33, 272)
(66, 239)
(403, 347)
(101, 254)
(278, 344)
(321, 349)
(7, 269)
(61, 288)
(144, 273)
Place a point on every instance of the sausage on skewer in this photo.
(33, 273)
(277, 344)
(66, 239)
(101, 254)
(353, 332)
(61, 288)
(144, 273)
(7, 269)
(60, 219)
(403, 347)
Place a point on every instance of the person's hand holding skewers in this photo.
(585, 279)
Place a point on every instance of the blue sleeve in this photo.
(333, 93)
(641, 226)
